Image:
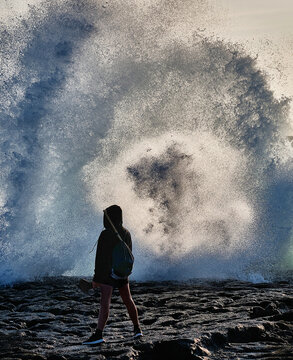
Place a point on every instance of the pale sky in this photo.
(265, 28)
(260, 17)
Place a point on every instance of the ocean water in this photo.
(105, 103)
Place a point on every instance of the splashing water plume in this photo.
(178, 194)
(132, 104)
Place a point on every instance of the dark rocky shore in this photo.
(198, 320)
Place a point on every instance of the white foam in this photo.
(94, 95)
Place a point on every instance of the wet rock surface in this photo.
(49, 319)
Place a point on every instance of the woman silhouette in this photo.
(103, 270)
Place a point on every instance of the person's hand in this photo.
(95, 284)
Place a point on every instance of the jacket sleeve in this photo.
(101, 262)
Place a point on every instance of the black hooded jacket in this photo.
(106, 244)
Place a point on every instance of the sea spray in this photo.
(111, 103)
(178, 192)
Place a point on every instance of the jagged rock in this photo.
(149, 321)
(245, 334)
(32, 356)
(184, 349)
(287, 316)
(51, 318)
(56, 357)
(9, 307)
(269, 310)
(218, 339)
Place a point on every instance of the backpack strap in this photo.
(94, 246)
(115, 230)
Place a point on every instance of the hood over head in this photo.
(115, 214)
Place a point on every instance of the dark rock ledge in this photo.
(48, 320)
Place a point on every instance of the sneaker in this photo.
(137, 332)
(95, 338)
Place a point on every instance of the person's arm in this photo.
(100, 259)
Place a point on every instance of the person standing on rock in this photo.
(103, 271)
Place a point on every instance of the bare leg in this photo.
(106, 293)
(129, 303)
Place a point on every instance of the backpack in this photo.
(122, 261)
(122, 258)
